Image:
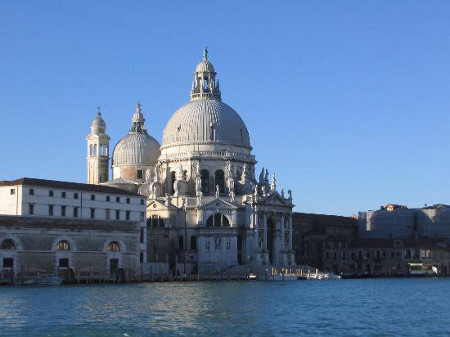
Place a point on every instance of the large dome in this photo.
(206, 121)
(136, 149)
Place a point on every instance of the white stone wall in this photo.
(11, 203)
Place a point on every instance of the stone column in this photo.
(264, 247)
(256, 254)
(283, 243)
(291, 259)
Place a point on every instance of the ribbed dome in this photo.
(204, 66)
(136, 149)
(207, 120)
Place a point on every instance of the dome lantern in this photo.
(138, 121)
(204, 85)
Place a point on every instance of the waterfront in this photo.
(376, 307)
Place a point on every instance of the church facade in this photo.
(206, 208)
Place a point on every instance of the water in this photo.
(378, 307)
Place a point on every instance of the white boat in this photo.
(252, 277)
(284, 277)
(49, 280)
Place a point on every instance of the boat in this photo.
(49, 280)
(252, 277)
(284, 277)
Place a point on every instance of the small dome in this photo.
(206, 121)
(138, 149)
(98, 124)
(204, 67)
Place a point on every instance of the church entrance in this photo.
(113, 267)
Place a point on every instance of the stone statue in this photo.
(273, 185)
(156, 175)
(199, 199)
(180, 172)
(198, 181)
(217, 191)
(290, 194)
(282, 192)
(255, 191)
(264, 190)
(229, 171)
(232, 196)
(147, 176)
(153, 191)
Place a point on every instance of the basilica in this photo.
(206, 207)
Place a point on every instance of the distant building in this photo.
(400, 222)
(313, 231)
(49, 226)
(386, 257)
(394, 241)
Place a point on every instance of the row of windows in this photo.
(51, 193)
(216, 220)
(9, 244)
(376, 254)
(102, 150)
(219, 180)
(155, 221)
(76, 213)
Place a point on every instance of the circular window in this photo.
(217, 203)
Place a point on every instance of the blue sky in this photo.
(347, 101)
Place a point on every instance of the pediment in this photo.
(219, 204)
(157, 205)
(276, 200)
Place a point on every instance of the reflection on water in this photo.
(356, 307)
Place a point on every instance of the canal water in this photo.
(375, 307)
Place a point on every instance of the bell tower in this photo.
(98, 152)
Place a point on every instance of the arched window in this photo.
(194, 242)
(91, 150)
(205, 181)
(220, 180)
(95, 149)
(113, 247)
(63, 245)
(217, 220)
(155, 222)
(8, 244)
